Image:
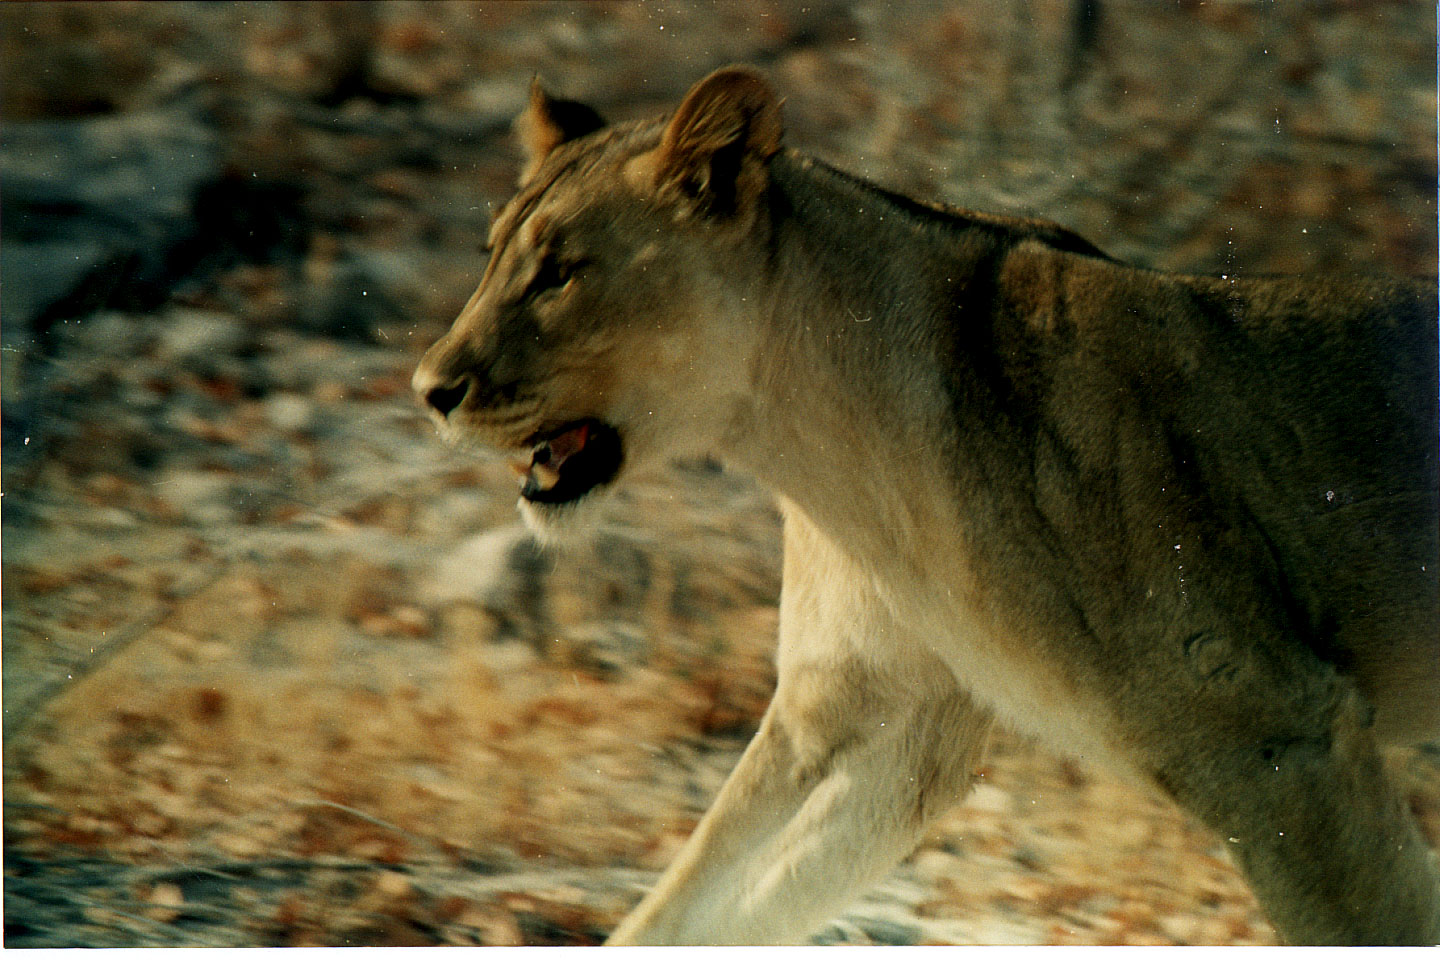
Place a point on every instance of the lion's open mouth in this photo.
(569, 462)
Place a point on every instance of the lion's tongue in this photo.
(567, 444)
(545, 465)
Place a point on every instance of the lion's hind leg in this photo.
(1324, 838)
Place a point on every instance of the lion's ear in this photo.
(715, 151)
(546, 122)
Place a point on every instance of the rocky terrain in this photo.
(280, 669)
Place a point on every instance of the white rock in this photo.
(289, 412)
(990, 799)
(199, 496)
(477, 569)
(451, 512)
(200, 335)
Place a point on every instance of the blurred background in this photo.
(279, 669)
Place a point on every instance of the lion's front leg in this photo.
(857, 752)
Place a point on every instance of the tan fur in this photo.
(1182, 526)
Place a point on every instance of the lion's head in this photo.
(613, 326)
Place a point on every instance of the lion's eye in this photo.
(554, 274)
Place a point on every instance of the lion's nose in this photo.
(438, 392)
(447, 398)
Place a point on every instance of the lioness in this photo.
(1182, 526)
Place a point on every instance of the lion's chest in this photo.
(889, 610)
(995, 656)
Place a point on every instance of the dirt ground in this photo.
(280, 669)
